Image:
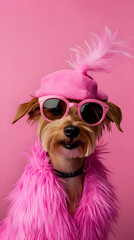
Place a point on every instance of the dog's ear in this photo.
(113, 115)
(30, 108)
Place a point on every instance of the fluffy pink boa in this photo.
(39, 203)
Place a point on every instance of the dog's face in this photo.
(69, 136)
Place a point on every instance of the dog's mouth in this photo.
(70, 144)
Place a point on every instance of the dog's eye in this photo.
(56, 111)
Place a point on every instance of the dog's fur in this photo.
(51, 135)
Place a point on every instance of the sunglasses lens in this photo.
(91, 112)
(54, 108)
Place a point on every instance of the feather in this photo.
(99, 54)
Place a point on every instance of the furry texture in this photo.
(39, 203)
(99, 55)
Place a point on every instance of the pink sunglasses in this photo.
(91, 111)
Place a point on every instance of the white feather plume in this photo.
(98, 56)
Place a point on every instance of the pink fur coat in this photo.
(39, 203)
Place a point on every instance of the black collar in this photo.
(69, 174)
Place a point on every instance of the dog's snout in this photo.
(71, 131)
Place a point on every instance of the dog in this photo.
(64, 193)
(68, 141)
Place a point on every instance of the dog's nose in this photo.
(71, 131)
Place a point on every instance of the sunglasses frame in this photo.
(104, 106)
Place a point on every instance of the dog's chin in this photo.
(70, 149)
(74, 153)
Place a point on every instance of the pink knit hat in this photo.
(70, 84)
(77, 84)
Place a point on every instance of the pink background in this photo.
(35, 37)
